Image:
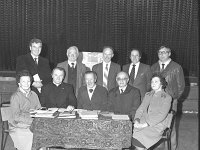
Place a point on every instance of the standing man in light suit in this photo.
(74, 70)
(107, 70)
(140, 74)
(173, 73)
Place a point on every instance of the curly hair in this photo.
(22, 74)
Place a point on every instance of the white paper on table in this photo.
(120, 117)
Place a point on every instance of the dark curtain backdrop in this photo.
(92, 24)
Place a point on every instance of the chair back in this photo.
(6, 113)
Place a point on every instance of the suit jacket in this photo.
(81, 69)
(143, 78)
(113, 71)
(153, 110)
(125, 103)
(98, 100)
(58, 96)
(26, 62)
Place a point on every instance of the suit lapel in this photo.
(101, 76)
(33, 62)
(139, 71)
(66, 71)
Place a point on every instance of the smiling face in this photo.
(107, 54)
(156, 84)
(35, 49)
(25, 83)
(58, 76)
(135, 56)
(90, 80)
(122, 79)
(164, 54)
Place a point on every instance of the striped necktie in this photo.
(132, 74)
(105, 76)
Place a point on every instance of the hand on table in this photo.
(70, 108)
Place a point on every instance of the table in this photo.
(79, 133)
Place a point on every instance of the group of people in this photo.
(145, 93)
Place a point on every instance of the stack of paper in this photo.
(67, 114)
(120, 117)
(43, 113)
(89, 114)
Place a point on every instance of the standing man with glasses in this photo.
(107, 70)
(37, 66)
(74, 70)
(124, 99)
(140, 74)
(173, 73)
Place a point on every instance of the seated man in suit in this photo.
(58, 94)
(74, 70)
(107, 70)
(92, 96)
(37, 66)
(140, 74)
(124, 99)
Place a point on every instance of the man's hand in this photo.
(37, 84)
(70, 108)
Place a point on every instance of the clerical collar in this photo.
(57, 84)
(70, 63)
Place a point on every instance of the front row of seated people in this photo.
(124, 99)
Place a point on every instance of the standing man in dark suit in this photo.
(124, 99)
(92, 96)
(74, 70)
(58, 94)
(140, 74)
(107, 70)
(37, 66)
(173, 73)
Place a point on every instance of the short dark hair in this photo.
(91, 72)
(109, 48)
(34, 41)
(22, 74)
(162, 79)
(164, 47)
(139, 51)
(59, 68)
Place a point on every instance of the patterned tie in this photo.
(132, 74)
(121, 91)
(163, 67)
(105, 77)
(35, 60)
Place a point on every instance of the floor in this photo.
(187, 133)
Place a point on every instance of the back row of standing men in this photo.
(139, 74)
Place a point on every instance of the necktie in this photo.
(132, 74)
(90, 90)
(72, 65)
(163, 67)
(105, 76)
(121, 91)
(35, 60)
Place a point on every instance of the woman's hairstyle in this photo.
(162, 79)
(22, 74)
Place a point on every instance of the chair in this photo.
(5, 114)
(167, 132)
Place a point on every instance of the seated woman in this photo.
(149, 121)
(21, 102)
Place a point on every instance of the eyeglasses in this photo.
(122, 79)
(162, 52)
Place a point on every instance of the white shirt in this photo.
(136, 68)
(70, 63)
(166, 63)
(124, 88)
(35, 57)
(88, 90)
(104, 66)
